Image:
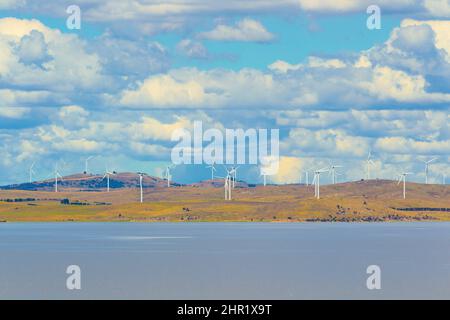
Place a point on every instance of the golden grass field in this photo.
(372, 200)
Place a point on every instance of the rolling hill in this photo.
(358, 201)
(90, 182)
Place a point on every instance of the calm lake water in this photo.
(224, 260)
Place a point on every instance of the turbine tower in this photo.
(227, 187)
(107, 174)
(427, 164)
(212, 170)
(263, 172)
(140, 186)
(31, 172)
(332, 170)
(402, 176)
(86, 161)
(227, 184)
(444, 176)
(168, 175)
(306, 176)
(316, 181)
(234, 175)
(57, 174)
(368, 163)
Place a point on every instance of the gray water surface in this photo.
(224, 260)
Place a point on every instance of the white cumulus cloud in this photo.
(248, 30)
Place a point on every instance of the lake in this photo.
(225, 260)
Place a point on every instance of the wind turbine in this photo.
(402, 176)
(444, 176)
(306, 172)
(316, 181)
(227, 184)
(234, 175)
(107, 174)
(86, 161)
(32, 172)
(332, 170)
(168, 175)
(212, 170)
(368, 163)
(57, 174)
(227, 187)
(140, 186)
(263, 172)
(427, 163)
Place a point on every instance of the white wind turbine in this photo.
(140, 186)
(107, 174)
(368, 163)
(57, 174)
(31, 172)
(213, 169)
(227, 184)
(234, 175)
(427, 163)
(263, 172)
(167, 174)
(227, 187)
(402, 176)
(444, 176)
(269, 166)
(86, 162)
(306, 172)
(332, 170)
(316, 181)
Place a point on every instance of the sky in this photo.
(136, 71)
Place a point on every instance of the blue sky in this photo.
(297, 37)
(136, 71)
(294, 41)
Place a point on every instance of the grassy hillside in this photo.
(89, 182)
(373, 200)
